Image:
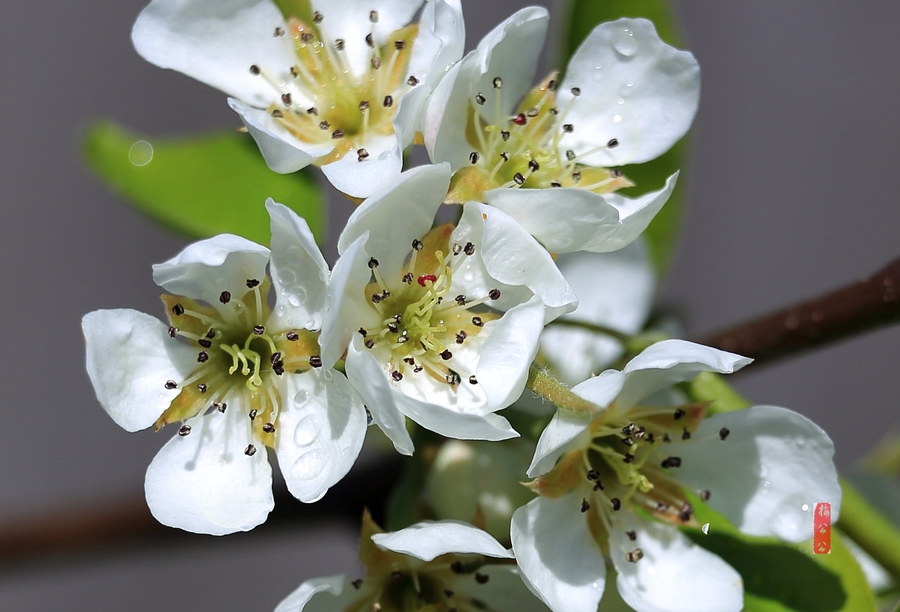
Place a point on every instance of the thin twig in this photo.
(870, 303)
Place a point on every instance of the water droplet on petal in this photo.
(705, 528)
(140, 153)
(763, 470)
(617, 119)
(301, 398)
(287, 277)
(309, 465)
(767, 484)
(805, 507)
(307, 429)
(624, 42)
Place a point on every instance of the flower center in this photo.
(322, 100)
(422, 321)
(523, 150)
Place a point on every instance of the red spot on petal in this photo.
(425, 278)
(520, 120)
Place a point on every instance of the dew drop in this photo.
(287, 277)
(624, 42)
(705, 528)
(307, 430)
(805, 507)
(140, 153)
(763, 470)
(294, 299)
(621, 101)
(301, 398)
(767, 484)
(328, 375)
(309, 465)
(617, 119)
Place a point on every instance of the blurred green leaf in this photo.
(301, 9)
(662, 234)
(200, 186)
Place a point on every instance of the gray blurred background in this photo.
(792, 193)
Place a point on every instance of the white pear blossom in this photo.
(548, 157)
(439, 325)
(763, 468)
(342, 88)
(236, 374)
(430, 566)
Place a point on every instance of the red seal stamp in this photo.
(822, 529)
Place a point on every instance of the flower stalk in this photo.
(544, 384)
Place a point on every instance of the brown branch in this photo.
(870, 303)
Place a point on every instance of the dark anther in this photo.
(477, 322)
(554, 111)
(376, 62)
(279, 31)
(555, 184)
(628, 429)
(532, 112)
(446, 355)
(173, 331)
(593, 475)
(723, 433)
(185, 430)
(671, 462)
(357, 583)
(662, 507)
(252, 282)
(268, 428)
(576, 91)
(177, 310)
(497, 82)
(666, 438)
(461, 337)
(418, 369)
(254, 70)
(469, 248)
(286, 99)
(461, 299)
(650, 438)
(678, 413)
(634, 556)
(448, 593)
(317, 17)
(369, 343)
(616, 503)
(418, 244)
(370, 41)
(204, 342)
(570, 154)
(409, 360)
(412, 81)
(452, 378)
(576, 177)
(628, 458)
(473, 157)
(294, 72)
(259, 330)
(275, 358)
(616, 172)
(613, 143)
(457, 249)
(225, 297)
(704, 495)
(505, 155)
(324, 125)
(202, 357)
(552, 85)
(534, 166)
(364, 105)
(307, 37)
(388, 101)
(631, 535)
(627, 441)
(494, 294)
(639, 434)
(479, 98)
(373, 16)
(686, 435)
(337, 134)
(504, 135)
(686, 512)
(171, 384)
(392, 327)
(520, 119)
(315, 361)
(473, 380)
(373, 263)
(278, 368)
(252, 414)
(250, 450)
(585, 506)
(312, 110)
(518, 178)
(568, 128)
(408, 278)
(339, 44)
(481, 578)
(399, 45)
(457, 567)
(361, 154)
(220, 406)
(598, 486)
(292, 336)
(376, 298)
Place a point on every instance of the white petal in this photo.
(304, 594)
(347, 310)
(359, 179)
(216, 42)
(506, 589)
(298, 270)
(559, 559)
(614, 290)
(674, 574)
(513, 257)
(429, 539)
(644, 94)
(570, 219)
(204, 483)
(283, 152)
(439, 43)
(367, 378)
(130, 356)
(349, 20)
(558, 437)
(321, 428)
(205, 269)
(397, 214)
(510, 51)
(602, 389)
(670, 362)
(773, 463)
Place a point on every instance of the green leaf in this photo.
(584, 16)
(200, 186)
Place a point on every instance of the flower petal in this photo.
(569, 219)
(397, 214)
(205, 269)
(333, 585)
(559, 558)
(674, 574)
(614, 290)
(634, 88)
(440, 42)
(360, 178)
(282, 151)
(216, 42)
(565, 427)
(130, 356)
(298, 270)
(773, 463)
(429, 539)
(205, 483)
(321, 428)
